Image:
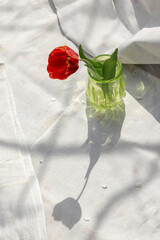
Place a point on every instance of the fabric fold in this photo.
(101, 26)
(21, 207)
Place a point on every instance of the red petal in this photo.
(60, 77)
(56, 73)
(70, 52)
(57, 56)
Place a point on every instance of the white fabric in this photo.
(21, 209)
(90, 191)
(101, 26)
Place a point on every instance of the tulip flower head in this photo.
(62, 62)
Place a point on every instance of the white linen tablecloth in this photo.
(21, 208)
(98, 174)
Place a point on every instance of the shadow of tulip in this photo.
(68, 211)
(104, 130)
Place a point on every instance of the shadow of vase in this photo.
(104, 131)
(142, 82)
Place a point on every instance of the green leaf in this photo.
(114, 54)
(99, 71)
(109, 66)
(82, 56)
(92, 68)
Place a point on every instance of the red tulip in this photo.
(62, 62)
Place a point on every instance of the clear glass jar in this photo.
(106, 94)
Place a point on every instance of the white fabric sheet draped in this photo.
(90, 190)
(101, 26)
(21, 208)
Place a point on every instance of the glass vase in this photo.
(106, 94)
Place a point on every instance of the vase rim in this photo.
(109, 80)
